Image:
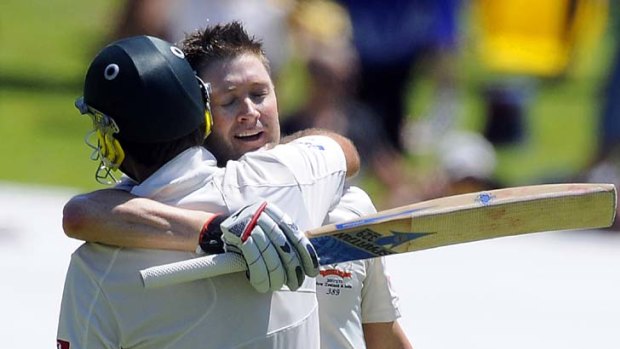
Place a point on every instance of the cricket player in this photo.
(357, 306)
(150, 119)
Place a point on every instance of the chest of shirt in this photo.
(340, 282)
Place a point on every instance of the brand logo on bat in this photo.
(398, 238)
(378, 244)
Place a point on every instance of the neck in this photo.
(137, 171)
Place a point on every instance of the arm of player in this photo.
(385, 335)
(378, 302)
(116, 217)
(379, 307)
(275, 250)
(351, 155)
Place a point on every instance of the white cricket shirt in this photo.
(106, 306)
(353, 293)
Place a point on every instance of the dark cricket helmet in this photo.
(148, 88)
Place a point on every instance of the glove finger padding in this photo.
(301, 244)
(265, 269)
(289, 256)
(264, 266)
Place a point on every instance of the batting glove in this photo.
(276, 251)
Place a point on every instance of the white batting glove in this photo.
(274, 248)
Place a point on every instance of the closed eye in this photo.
(259, 96)
(227, 102)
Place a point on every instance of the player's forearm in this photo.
(118, 218)
(350, 151)
(385, 335)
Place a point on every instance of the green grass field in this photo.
(47, 45)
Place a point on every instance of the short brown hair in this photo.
(158, 154)
(222, 41)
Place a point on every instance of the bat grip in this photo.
(192, 269)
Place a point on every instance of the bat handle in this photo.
(192, 269)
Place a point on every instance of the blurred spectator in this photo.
(605, 167)
(138, 17)
(522, 41)
(172, 19)
(332, 66)
(467, 162)
(609, 127)
(322, 32)
(390, 37)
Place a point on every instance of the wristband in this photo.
(210, 239)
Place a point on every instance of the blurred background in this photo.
(440, 96)
(513, 92)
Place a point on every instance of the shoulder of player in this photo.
(357, 201)
(314, 142)
(316, 153)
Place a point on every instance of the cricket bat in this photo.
(429, 224)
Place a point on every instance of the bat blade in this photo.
(466, 218)
(429, 224)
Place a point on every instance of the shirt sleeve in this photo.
(379, 301)
(353, 204)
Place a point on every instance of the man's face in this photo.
(244, 107)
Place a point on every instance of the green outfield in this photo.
(47, 45)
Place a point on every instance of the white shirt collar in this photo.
(193, 165)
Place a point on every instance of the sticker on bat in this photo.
(485, 198)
